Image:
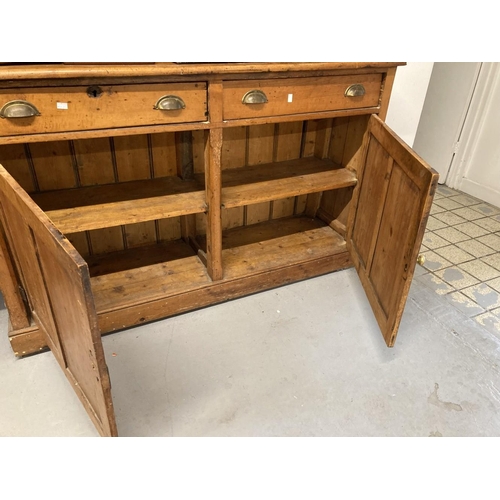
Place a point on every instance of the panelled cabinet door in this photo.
(57, 285)
(391, 205)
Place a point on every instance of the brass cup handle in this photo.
(169, 103)
(18, 109)
(254, 97)
(355, 90)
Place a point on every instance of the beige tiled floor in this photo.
(462, 255)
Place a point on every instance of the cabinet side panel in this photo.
(345, 149)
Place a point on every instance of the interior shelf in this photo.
(271, 181)
(160, 272)
(96, 207)
(278, 244)
(274, 244)
(133, 258)
(123, 279)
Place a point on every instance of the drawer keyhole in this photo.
(94, 91)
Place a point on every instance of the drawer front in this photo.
(300, 95)
(98, 107)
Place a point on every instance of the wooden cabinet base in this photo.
(31, 340)
(26, 341)
(116, 211)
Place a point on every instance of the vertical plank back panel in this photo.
(17, 163)
(163, 153)
(234, 147)
(164, 157)
(54, 167)
(287, 147)
(94, 159)
(199, 140)
(53, 164)
(316, 143)
(260, 150)
(133, 163)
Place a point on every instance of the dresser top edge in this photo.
(93, 70)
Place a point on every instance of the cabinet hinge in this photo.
(455, 147)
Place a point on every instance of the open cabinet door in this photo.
(57, 285)
(391, 205)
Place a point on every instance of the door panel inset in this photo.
(58, 289)
(390, 209)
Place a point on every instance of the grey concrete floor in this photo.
(303, 360)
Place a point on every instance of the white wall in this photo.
(477, 170)
(445, 107)
(407, 99)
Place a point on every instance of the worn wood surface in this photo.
(213, 158)
(346, 149)
(260, 150)
(175, 127)
(63, 307)
(285, 188)
(31, 342)
(387, 83)
(60, 72)
(71, 108)
(391, 207)
(301, 242)
(129, 212)
(26, 341)
(10, 285)
(88, 154)
(304, 95)
(16, 161)
(197, 210)
(221, 291)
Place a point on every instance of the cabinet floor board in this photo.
(123, 260)
(247, 251)
(143, 284)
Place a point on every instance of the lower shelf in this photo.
(277, 244)
(255, 258)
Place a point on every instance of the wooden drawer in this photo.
(300, 95)
(98, 107)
